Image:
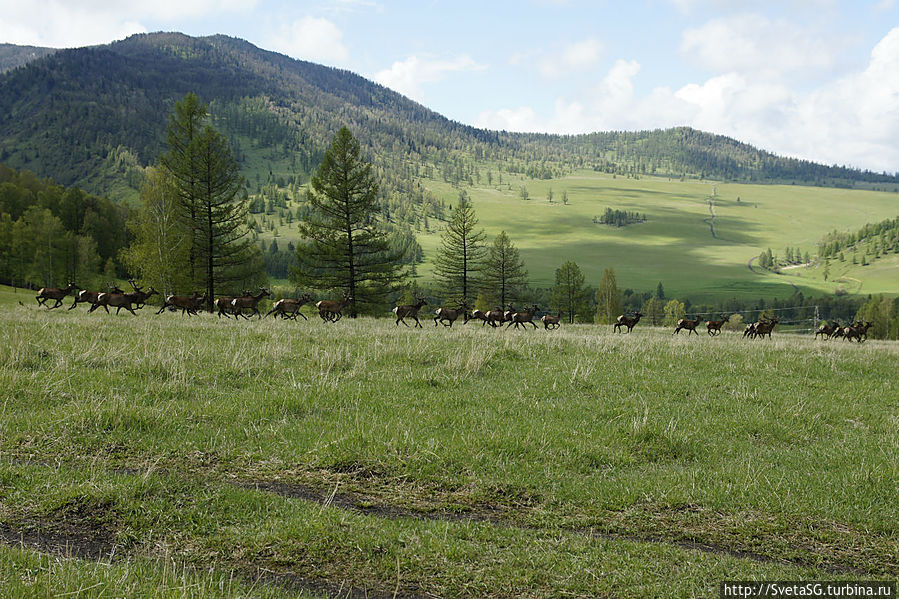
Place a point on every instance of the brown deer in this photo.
(507, 314)
(54, 293)
(330, 310)
(826, 330)
(124, 300)
(858, 331)
(764, 327)
(497, 315)
(409, 310)
(688, 325)
(627, 321)
(477, 315)
(248, 302)
(90, 297)
(223, 303)
(749, 331)
(713, 327)
(450, 315)
(524, 317)
(551, 321)
(189, 304)
(290, 307)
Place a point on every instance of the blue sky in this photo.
(816, 79)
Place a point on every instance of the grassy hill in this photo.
(413, 463)
(675, 245)
(105, 121)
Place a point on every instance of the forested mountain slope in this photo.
(95, 116)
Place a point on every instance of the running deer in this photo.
(450, 315)
(826, 330)
(524, 317)
(124, 300)
(290, 307)
(189, 304)
(90, 297)
(552, 321)
(497, 315)
(223, 304)
(330, 310)
(409, 310)
(627, 321)
(713, 327)
(764, 327)
(688, 325)
(54, 293)
(248, 302)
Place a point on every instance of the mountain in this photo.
(95, 116)
(12, 56)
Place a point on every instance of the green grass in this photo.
(461, 462)
(675, 246)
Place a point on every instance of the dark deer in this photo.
(90, 297)
(409, 310)
(124, 300)
(764, 327)
(857, 331)
(524, 317)
(54, 293)
(450, 315)
(551, 321)
(495, 316)
(627, 321)
(827, 330)
(477, 315)
(223, 304)
(290, 307)
(248, 302)
(189, 304)
(713, 327)
(330, 310)
(688, 325)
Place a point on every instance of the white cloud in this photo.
(575, 56)
(752, 43)
(65, 24)
(407, 76)
(854, 120)
(311, 38)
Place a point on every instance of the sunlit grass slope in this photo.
(463, 462)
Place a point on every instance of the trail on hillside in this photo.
(711, 219)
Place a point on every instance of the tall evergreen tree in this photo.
(345, 248)
(207, 182)
(569, 293)
(461, 254)
(608, 299)
(504, 274)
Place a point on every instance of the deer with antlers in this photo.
(91, 297)
(54, 293)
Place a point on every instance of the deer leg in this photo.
(417, 323)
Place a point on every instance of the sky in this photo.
(813, 79)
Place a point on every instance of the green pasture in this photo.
(675, 246)
(463, 462)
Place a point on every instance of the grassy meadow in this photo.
(202, 457)
(675, 245)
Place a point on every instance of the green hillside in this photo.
(104, 123)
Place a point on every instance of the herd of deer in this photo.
(246, 305)
(858, 330)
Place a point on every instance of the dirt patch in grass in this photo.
(690, 527)
(65, 539)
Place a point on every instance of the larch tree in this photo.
(504, 274)
(344, 247)
(461, 255)
(569, 294)
(206, 182)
